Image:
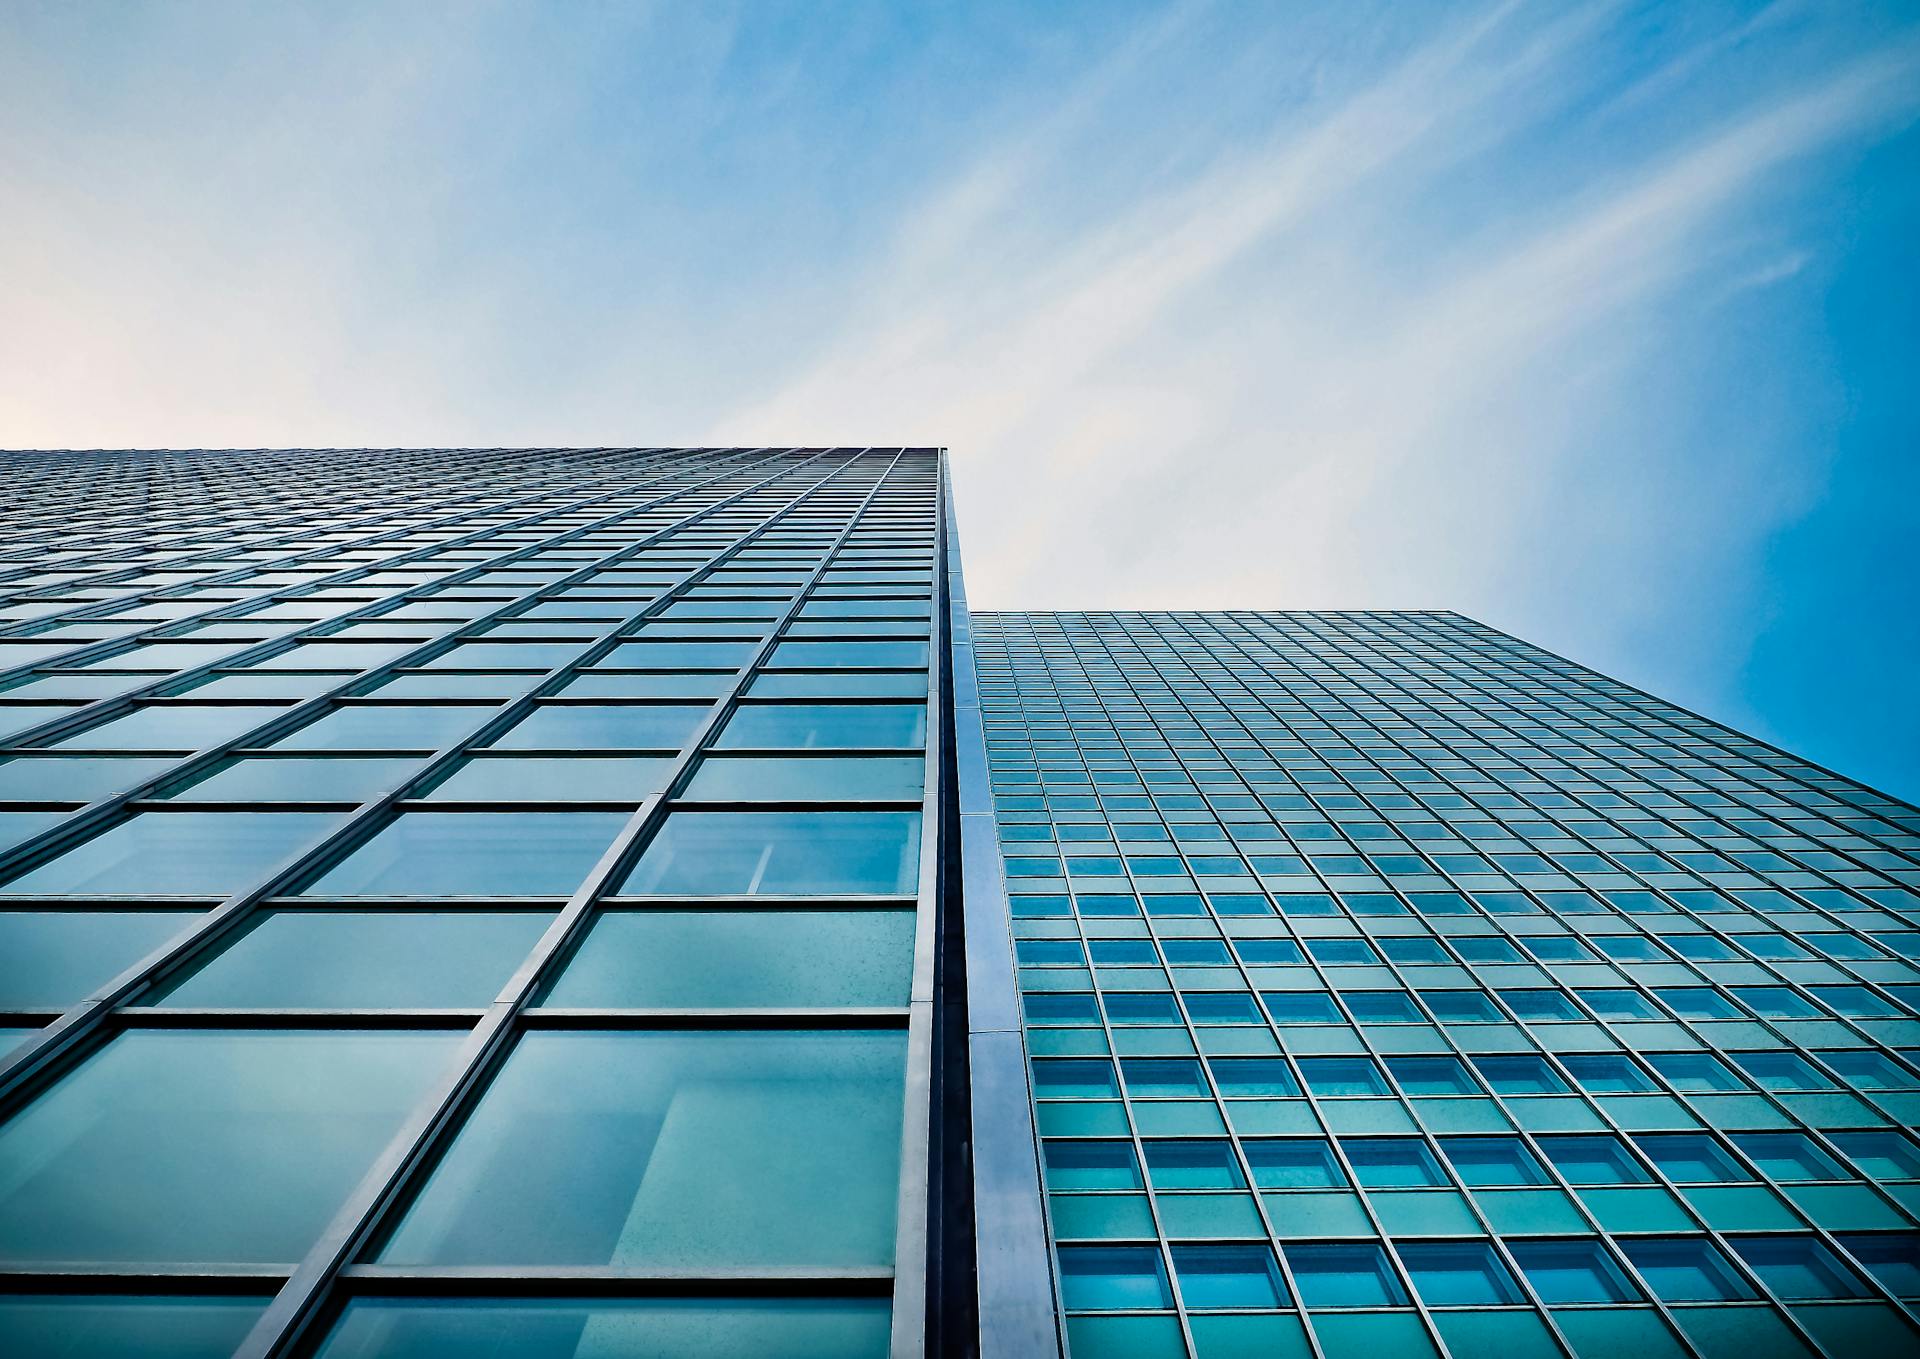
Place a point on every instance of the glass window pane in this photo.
(825, 726)
(1294, 1163)
(601, 1328)
(1392, 1162)
(630, 726)
(385, 728)
(1799, 1269)
(1193, 1164)
(1459, 1274)
(210, 853)
(728, 959)
(81, 1326)
(531, 778)
(1572, 1271)
(296, 780)
(1253, 1076)
(1344, 1276)
(54, 959)
(1228, 1276)
(1100, 1278)
(1091, 1165)
(172, 726)
(1789, 1156)
(363, 960)
(205, 1145)
(1490, 1161)
(74, 779)
(442, 854)
(775, 853)
(1687, 1270)
(685, 1150)
(808, 779)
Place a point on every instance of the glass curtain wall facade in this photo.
(1392, 987)
(587, 903)
(468, 902)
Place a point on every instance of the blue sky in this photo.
(1597, 321)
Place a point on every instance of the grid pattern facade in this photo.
(459, 902)
(1392, 987)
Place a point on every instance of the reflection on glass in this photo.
(439, 854)
(683, 1150)
(199, 1146)
(85, 1326)
(750, 853)
(52, 959)
(178, 852)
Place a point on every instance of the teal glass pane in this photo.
(844, 684)
(1101, 1278)
(200, 853)
(1594, 1160)
(1882, 1155)
(174, 726)
(899, 655)
(1893, 1259)
(1344, 1276)
(1690, 1269)
(1091, 1165)
(17, 827)
(296, 780)
(635, 726)
(683, 1150)
(683, 1328)
(825, 726)
(1790, 1156)
(1572, 1272)
(193, 1146)
(75, 779)
(54, 959)
(740, 959)
(1459, 1274)
(385, 728)
(1228, 1276)
(808, 779)
(598, 684)
(17, 718)
(777, 853)
(363, 960)
(1241, 1077)
(1294, 1163)
(440, 854)
(532, 778)
(1392, 1162)
(1192, 1164)
(1799, 1268)
(1073, 1078)
(83, 1326)
(491, 684)
(1493, 1161)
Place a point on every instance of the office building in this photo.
(612, 902)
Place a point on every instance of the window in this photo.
(205, 1145)
(100, 1326)
(1572, 1272)
(297, 780)
(73, 779)
(531, 778)
(1459, 1274)
(1228, 1276)
(1220, 1007)
(1193, 1164)
(1301, 1007)
(1782, 1071)
(53, 959)
(807, 726)
(1163, 1077)
(1799, 1269)
(1519, 1074)
(631, 726)
(1073, 1078)
(1253, 1076)
(385, 728)
(780, 853)
(1342, 1076)
(1883, 1155)
(1603, 1073)
(1101, 1278)
(362, 960)
(179, 853)
(1485, 1162)
(808, 779)
(1594, 1160)
(1293, 1163)
(566, 1328)
(1091, 1165)
(634, 1130)
(442, 854)
(1789, 1156)
(171, 726)
(1344, 1276)
(1140, 1007)
(1392, 1163)
(1688, 1269)
(1432, 1076)
(1892, 1259)
(1696, 1072)
(1688, 1158)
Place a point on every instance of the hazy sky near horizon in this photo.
(1596, 321)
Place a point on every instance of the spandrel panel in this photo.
(683, 1150)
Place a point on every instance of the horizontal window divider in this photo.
(837, 901)
(130, 1280)
(536, 1281)
(693, 804)
(835, 1017)
(262, 1017)
(555, 804)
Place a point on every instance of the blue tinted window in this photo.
(1220, 1007)
(1193, 1164)
(1789, 1156)
(1690, 1269)
(173, 726)
(1696, 1072)
(1250, 1076)
(54, 959)
(1594, 1160)
(532, 778)
(1342, 1076)
(808, 779)
(1101, 1278)
(1301, 1007)
(1432, 1075)
(81, 1326)
(755, 853)
(440, 854)
(634, 726)
(1459, 1274)
(1883, 1155)
(205, 1145)
(385, 728)
(1892, 1259)
(293, 780)
(1163, 1076)
(193, 853)
(1605, 1073)
(1572, 1272)
(1228, 1276)
(801, 726)
(1073, 1077)
(1293, 1163)
(1688, 1158)
(1490, 1161)
(1140, 1007)
(1392, 1162)
(1799, 1269)
(73, 779)
(1344, 1276)
(639, 1132)
(1091, 1165)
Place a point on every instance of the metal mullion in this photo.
(94, 815)
(293, 1312)
(35, 1057)
(239, 575)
